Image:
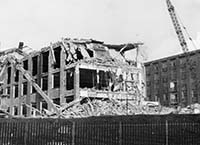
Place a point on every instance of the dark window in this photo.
(164, 79)
(148, 83)
(193, 75)
(45, 61)
(56, 101)
(45, 83)
(69, 98)
(56, 80)
(35, 63)
(34, 106)
(9, 75)
(8, 90)
(24, 110)
(183, 75)
(164, 69)
(156, 68)
(33, 88)
(88, 78)
(15, 110)
(70, 79)
(25, 88)
(103, 79)
(16, 91)
(57, 52)
(25, 64)
(44, 105)
(90, 52)
(17, 76)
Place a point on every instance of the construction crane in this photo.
(177, 26)
(183, 43)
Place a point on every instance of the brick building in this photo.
(67, 70)
(175, 79)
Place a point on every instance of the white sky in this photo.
(39, 22)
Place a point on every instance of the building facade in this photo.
(174, 80)
(68, 70)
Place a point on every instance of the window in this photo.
(34, 66)
(57, 52)
(165, 97)
(164, 69)
(8, 90)
(16, 75)
(70, 79)
(33, 88)
(103, 79)
(45, 83)
(193, 75)
(88, 78)
(24, 110)
(56, 101)
(56, 80)
(45, 61)
(25, 64)
(194, 96)
(148, 83)
(156, 68)
(164, 79)
(24, 88)
(183, 75)
(15, 91)
(173, 86)
(15, 110)
(9, 75)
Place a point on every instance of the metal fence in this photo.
(108, 130)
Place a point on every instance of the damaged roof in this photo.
(99, 48)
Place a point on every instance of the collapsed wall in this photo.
(70, 70)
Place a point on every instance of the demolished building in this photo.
(66, 71)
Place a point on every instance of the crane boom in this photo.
(177, 26)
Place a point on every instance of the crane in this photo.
(177, 26)
(183, 44)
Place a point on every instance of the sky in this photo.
(39, 22)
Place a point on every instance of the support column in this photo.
(20, 94)
(76, 82)
(38, 97)
(50, 64)
(12, 91)
(62, 75)
(28, 97)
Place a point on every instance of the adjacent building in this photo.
(174, 80)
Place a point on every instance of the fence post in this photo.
(167, 132)
(120, 133)
(26, 133)
(73, 133)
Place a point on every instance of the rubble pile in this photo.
(191, 109)
(113, 107)
(109, 107)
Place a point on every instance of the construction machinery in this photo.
(178, 28)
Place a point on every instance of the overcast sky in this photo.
(39, 22)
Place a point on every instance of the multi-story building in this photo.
(67, 70)
(175, 79)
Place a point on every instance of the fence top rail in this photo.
(124, 118)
